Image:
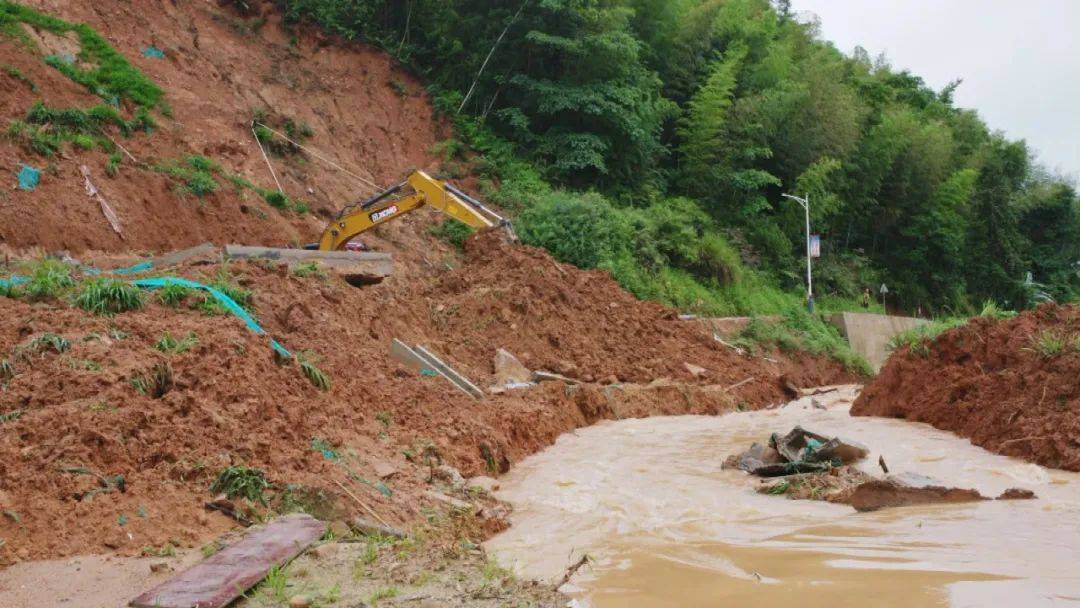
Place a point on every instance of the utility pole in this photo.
(805, 202)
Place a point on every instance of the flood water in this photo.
(665, 526)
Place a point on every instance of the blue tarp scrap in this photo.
(12, 281)
(159, 282)
(153, 52)
(29, 178)
(223, 299)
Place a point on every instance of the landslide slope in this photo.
(220, 69)
(75, 420)
(1012, 386)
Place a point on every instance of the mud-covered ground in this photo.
(77, 417)
(1012, 386)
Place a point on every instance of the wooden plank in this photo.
(451, 374)
(354, 266)
(224, 576)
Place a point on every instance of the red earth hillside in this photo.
(1012, 386)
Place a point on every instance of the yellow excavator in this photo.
(417, 190)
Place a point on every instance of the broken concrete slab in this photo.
(404, 354)
(423, 361)
(450, 373)
(509, 370)
(356, 267)
(206, 250)
(221, 578)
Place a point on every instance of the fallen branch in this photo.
(106, 209)
(738, 384)
(362, 504)
(572, 570)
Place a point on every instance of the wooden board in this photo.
(354, 266)
(221, 578)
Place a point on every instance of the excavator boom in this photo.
(387, 205)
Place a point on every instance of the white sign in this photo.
(815, 245)
(884, 290)
(384, 213)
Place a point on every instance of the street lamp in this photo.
(805, 202)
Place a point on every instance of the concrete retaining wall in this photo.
(869, 334)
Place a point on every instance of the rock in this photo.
(159, 567)
(452, 502)
(299, 601)
(565, 368)
(890, 492)
(817, 404)
(369, 528)
(383, 469)
(756, 457)
(448, 475)
(487, 484)
(509, 370)
(1016, 494)
(340, 529)
(695, 370)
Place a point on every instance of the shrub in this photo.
(241, 482)
(106, 296)
(453, 232)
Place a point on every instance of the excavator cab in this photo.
(417, 190)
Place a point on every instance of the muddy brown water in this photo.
(665, 526)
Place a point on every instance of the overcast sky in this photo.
(1020, 60)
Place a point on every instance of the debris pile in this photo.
(804, 465)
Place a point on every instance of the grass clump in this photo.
(194, 175)
(7, 370)
(298, 132)
(173, 295)
(242, 482)
(1050, 344)
(42, 344)
(11, 416)
(173, 346)
(49, 278)
(225, 283)
(310, 269)
(154, 383)
(283, 202)
(106, 296)
(318, 378)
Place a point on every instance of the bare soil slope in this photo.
(220, 67)
(1004, 384)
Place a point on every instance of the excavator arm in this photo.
(391, 203)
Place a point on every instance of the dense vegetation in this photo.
(655, 138)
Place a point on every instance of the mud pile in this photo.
(1011, 386)
(82, 418)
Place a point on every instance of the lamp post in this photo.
(805, 202)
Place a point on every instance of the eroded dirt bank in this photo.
(1012, 386)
